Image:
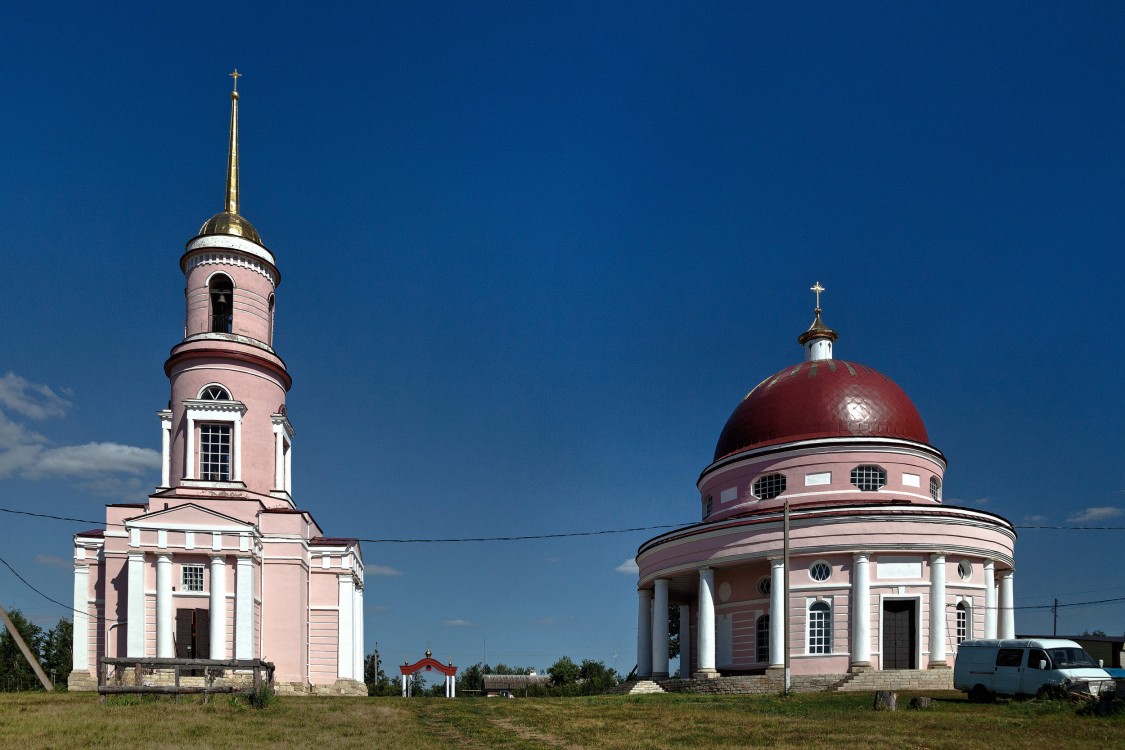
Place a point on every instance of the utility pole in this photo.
(47, 684)
(1055, 610)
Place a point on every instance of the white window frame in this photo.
(823, 627)
(199, 411)
(963, 628)
(826, 564)
(762, 645)
(193, 568)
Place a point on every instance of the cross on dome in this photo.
(816, 288)
(235, 75)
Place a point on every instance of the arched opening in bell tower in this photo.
(222, 304)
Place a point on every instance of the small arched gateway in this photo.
(429, 664)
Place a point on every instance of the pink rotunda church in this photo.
(220, 563)
(881, 574)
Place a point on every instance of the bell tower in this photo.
(226, 432)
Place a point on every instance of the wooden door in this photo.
(900, 630)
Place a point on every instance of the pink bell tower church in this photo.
(220, 563)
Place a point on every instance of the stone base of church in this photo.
(706, 674)
(938, 665)
(774, 681)
(81, 680)
(342, 687)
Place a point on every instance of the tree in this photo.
(15, 672)
(376, 679)
(673, 630)
(596, 677)
(58, 646)
(564, 672)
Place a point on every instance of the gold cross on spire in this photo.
(235, 75)
(817, 289)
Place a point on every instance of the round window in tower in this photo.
(820, 571)
(765, 585)
(869, 478)
(214, 393)
(769, 486)
(965, 570)
(935, 489)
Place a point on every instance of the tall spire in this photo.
(817, 341)
(232, 153)
(229, 221)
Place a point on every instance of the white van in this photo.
(986, 668)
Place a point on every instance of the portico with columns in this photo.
(882, 574)
(220, 562)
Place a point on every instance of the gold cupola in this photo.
(230, 222)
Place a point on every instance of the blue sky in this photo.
(533, 255)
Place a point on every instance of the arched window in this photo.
(706, 506)
(222, 304)
(214, 393)
(762, 640)
(820, 628)
(964, 628)
(270, 341)
(935, 489)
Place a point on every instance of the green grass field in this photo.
(77, 720)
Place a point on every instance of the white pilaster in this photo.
(685, 640)
(236, 448)
(135, 625)
(1007, 614)
(937, 610)
(218, 607)
(189, 459)
(861, 610)
(706, 654)
(660, 629)
(777, 612)
(345, 642)
(644, 633)
(278, 457)
(80, 648)
(244, 608)
(357, 633)
(165, 646)
(166, 447)
(989, 599)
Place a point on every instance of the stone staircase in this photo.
(894, 679)
(638, 687)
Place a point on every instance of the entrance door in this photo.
(900, 633)
(193, 635)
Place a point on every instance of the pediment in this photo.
(189, 517)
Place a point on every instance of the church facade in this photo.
(823, 508)
(220, 563)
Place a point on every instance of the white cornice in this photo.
(230, 242)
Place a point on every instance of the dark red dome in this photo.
(825, 398)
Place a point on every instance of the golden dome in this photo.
(232, 224)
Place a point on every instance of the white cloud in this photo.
(628, 567)
(381, 570)
(1097, 514)
(31, 400)
(55, 561)
(459, 624)
(106, 469)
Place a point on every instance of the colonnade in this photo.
(652, 623)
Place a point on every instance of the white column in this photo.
(453, 686)
(236, 447)
(777, 612)
(357, 632)
(404, 686)
(135, 625)
(278, 458)
(706, 655)
(685, 640)
(660, 629)
(644, 633)
(165, 647)
(80, 647)
(861, 610)
(244, 608)
(344, 644)
(937, 610)
(189, 459)
(218, 607)
(1007, 615)
(989, 599)
(166, 448)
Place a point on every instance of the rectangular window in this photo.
(820, 629)
(1009, 657)
(962, 623)
(214, 452)
(820, 477)
(191, 577)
